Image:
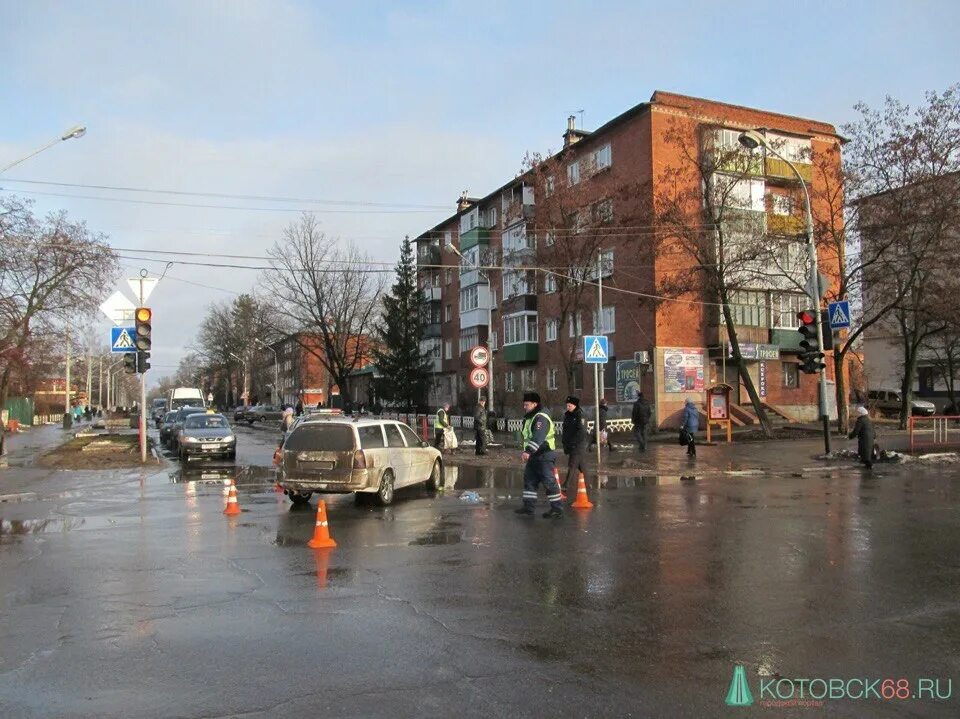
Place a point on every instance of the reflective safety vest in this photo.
(526, 433)
(440, 422)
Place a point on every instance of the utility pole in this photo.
(596, 366)
(100, 383)
(89, 377)
(67, 416)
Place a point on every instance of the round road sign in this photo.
(479, 377)
(479, 356)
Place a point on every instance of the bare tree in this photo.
(327, 290)
(710, 232)
(904, 166)
(52, 273)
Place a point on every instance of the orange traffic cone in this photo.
(582, 501)
(321, 530)
(556, 476)
(233, 507)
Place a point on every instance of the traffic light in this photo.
(810, 351)
(143, 317)
(130, 362)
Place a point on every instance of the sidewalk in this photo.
(22, 448)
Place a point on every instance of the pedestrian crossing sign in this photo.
(839, 313)
(595, 349)
(121, 339)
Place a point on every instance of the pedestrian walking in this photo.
(480, 426)
(691, 423)
(540, 460)
(863, 431)
(299, 409)
(602, 436)
(286, 422)
(640, 416)
(440, 424)
(574, 438)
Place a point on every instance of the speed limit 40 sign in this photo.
(479, 377)
(479, 356)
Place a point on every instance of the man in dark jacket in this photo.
(641, 421)
(863, 431)
(574, 440)
(480, 426)
(598, 436)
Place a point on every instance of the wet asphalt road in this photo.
(129, 594)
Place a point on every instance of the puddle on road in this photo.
(441, 537)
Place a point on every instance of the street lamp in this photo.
(276, 369)
(752, 139)
(486, 276)
(72, 133)
(246, 379)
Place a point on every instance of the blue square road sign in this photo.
(595, 349)
(839, 313)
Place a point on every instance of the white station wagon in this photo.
(371, 457)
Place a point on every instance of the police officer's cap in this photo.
(531, 397)
(575, 401)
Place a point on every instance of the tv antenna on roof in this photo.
(580, 113)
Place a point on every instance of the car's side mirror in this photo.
(424, 443)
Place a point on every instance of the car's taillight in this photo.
(278, 457)
(359, 460)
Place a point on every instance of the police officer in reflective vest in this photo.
(440, 423)
(539, 442)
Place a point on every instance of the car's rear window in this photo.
(371, 437)
(321, 438)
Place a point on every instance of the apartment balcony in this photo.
(524, 257)
(788, 339)
(474, 318)
(785, 225)
(519, 303)
(737, 163)
(435, 365)
(431, 329)
(473, 237)
(775, 168)
(430, 294)
(521, 352)
(428, 255)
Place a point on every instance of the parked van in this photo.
(186, 397)
(887, 401)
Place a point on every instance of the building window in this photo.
(447, 240)
(573, 173)
(791, 375)
(786, 307)
(749, 309)
(520, 328)
(552, 330)
(435, 277)
(517, 283)
(603, 212)
(602, 158)
(508, 381)
(552, 378)
(550, 283)
(447, 276)
(609, 324)
(448, 313)
(469, 299)
(575, 325)
(548, 239)
(782, 205)
(551, 185)
(528, 378)
(493, 341)
(606, 265)
(468, 340)
(493, 297)
(447, 349)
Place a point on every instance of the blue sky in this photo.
(393, 102)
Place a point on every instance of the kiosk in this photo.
(718, 409)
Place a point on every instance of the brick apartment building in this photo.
(302, 374)
(596, 193)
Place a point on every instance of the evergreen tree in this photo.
(403, 366)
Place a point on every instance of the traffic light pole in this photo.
(815, 298)
(143, 397)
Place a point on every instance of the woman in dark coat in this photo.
(863, 431)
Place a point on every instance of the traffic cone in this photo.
(556, 476)
(582, 501)
(321, 530)
(233, 507)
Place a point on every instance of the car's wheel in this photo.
(435, 480)
(299, 498)
(183, 456)
(384, 495)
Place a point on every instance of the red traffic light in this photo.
(806, 317)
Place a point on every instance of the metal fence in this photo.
(934, 432)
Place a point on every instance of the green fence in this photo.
(20, 409)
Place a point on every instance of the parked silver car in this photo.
(206, 435)
(262, 412)
(371, 457)
(888, 402)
